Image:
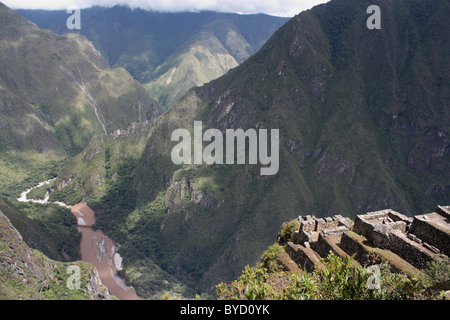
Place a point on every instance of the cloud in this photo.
(286, 8)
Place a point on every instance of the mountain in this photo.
(102, 174)
(49, 229)
(90, 173)
(169, 52)
(362, 116)
(56, 92)
(27, 274)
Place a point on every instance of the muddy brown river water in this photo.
(96, 247)
(101, 251)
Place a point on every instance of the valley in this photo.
(23, 196)
(167, 58)
(101, 251)
(56, 93)
(174, 146)
(95, 246)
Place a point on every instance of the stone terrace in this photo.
(407, 244)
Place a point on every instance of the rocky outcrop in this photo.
(28, 274)
(20, 262)
(184, 191)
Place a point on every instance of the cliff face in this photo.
(28, 274)
(363, 121)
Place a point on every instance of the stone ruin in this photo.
(406, 244)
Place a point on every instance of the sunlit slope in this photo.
(363, 120)
(56, 92)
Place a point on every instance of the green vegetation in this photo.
(363, 126)
(117, 202)
(47, 228)
(13, 287)
(354, 135)
(27, 273)
(137, 230)
(71, 194)
(25, 178)
(339, 279)
(50, 88)
(437, 275)
(54, 287)
(269, 259)
(203, 61)
(169, 52)
(58, 289)
(89, 174)
(288, 229)
(41, 192)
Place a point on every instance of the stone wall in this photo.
(323, 247)
(352, 247)
(311, 223)
(425, 228)
(409, 250)
(412, 241)
(376, 226)
(304, 257)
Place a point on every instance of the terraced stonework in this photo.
(407, 244)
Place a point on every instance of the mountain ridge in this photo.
(56, 92)
(347, 144)
(151, 44)
(28, 274)
(363, 123)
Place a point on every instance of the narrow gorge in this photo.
(96, 247)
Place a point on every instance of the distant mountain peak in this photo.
(149, 43)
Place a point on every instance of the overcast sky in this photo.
(285, 8)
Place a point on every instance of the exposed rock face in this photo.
(355, 136)
(20, 261)
(184, 191)
(28, 274)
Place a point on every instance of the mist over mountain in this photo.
(362, 117)
(170, 52)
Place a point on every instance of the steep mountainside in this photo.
(56, 92)
(172, 52)
(49, 229)
(363, 125)
(28, 274)
(90, 173)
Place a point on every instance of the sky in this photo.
(282, 8)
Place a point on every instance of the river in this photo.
(95, 247)
(100, 250)
(23, 196)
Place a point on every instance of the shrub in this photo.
(339, 279)
(436, 277)
(252, 285)
(288, 229)
(269, 259)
